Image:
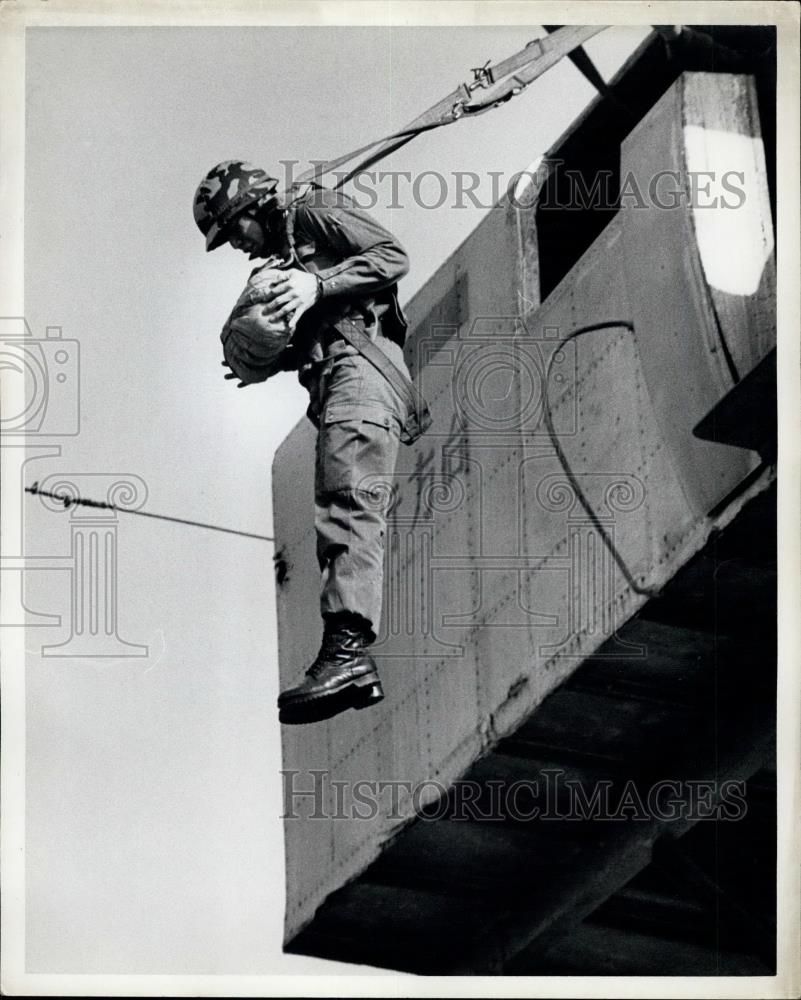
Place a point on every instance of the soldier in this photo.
(343, 280)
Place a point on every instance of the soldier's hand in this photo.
(294, 292)
(229, 375)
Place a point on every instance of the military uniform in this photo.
(358, 414)
(348, 350)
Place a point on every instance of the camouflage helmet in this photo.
(226, 191)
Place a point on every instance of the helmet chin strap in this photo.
(271, 218)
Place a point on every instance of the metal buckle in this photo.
(482, 78)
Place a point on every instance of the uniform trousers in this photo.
(359, 418)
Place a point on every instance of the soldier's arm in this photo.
(372, 258)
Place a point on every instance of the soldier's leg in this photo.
(356, 451)
(356, 455)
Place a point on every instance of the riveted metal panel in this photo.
(497, 580)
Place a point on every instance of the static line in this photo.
(69, 501)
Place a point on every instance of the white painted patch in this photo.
(734, 230)
(527, 179)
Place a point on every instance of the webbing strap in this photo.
(522, 68)
(418, 417)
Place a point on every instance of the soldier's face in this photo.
(248, 236)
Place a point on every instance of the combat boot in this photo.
(343, 676)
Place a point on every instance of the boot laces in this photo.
(327, 649)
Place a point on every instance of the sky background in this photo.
(154, 843)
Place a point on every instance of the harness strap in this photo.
(298, 191)
(523, 67)
(418, 417)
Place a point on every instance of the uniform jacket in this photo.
(358, 263)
